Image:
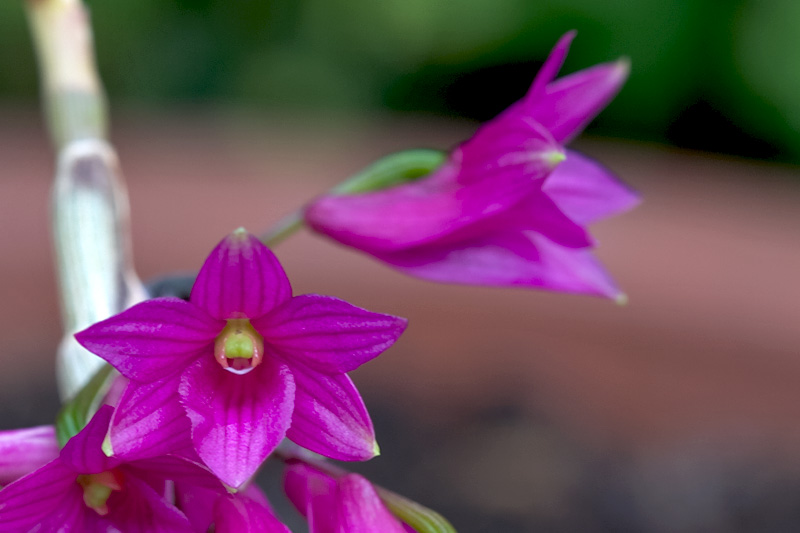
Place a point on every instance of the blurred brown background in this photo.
(507, 410)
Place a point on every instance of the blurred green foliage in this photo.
(709, 74)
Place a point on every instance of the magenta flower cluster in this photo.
(216, 383)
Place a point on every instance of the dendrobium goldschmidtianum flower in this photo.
(246, 511)
(347, 504)
(509, 206)
(240, 365)
(24, 450)
(81, 489)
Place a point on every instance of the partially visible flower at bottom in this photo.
(345, 504)
(24, 450)
(246, 511)
(82, 490)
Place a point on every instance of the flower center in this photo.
(98, 487)
(239, 348)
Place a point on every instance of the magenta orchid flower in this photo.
(246, 511)
(24, 450)
(84, 490)
(240, 366)
(510, 205)
(344, 504)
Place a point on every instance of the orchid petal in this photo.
(512, 259)
(504, 162)
(362, 510)
(327, 334)
(177, 469)
(237, 420)
(240, 278)
(330, 417)
(150, 421)
(237, 513)
(586, 191)
(568, 104)
(152, 339)
(539, 213)
(551, 66)
(49, 496)
(349, 503)
(197, 504)
(84, 451)
(24, 450)
(140, 509)
(313, 494)
(513, 152)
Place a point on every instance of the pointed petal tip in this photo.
(239, 235)
(554, 157)
(106, 447)
(567, 38)
(376, 449)
(621, 299)
(622, 68)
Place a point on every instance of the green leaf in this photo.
(74, 415)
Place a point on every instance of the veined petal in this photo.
(568, 104)
(237, 420)
(174, 468)
(512, 152)
(362, 510)
(504, 162)
(238, 513)
(58, 501)
(327, 334)
(512, 259)
(313, 494)
(330, 417)
(347, 504)
(241, 278)
(539, 213)
(197, 504)
(152, 339)
(150, 421)
(84, 451)
(24, 450)
(140, 509)
(586, 191)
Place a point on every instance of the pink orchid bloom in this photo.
(240, 365)
(82, 489)
(345, 504)
(246, 511)
(510, 205)
(24, 450)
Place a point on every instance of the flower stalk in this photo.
(90, 203)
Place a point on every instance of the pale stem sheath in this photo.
(90, 204)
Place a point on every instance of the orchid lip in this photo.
(239, 348)
(239, 372)
(97, 488)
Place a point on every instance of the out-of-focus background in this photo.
(507, 410)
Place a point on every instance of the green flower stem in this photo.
(394, 169)
(283, 229)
